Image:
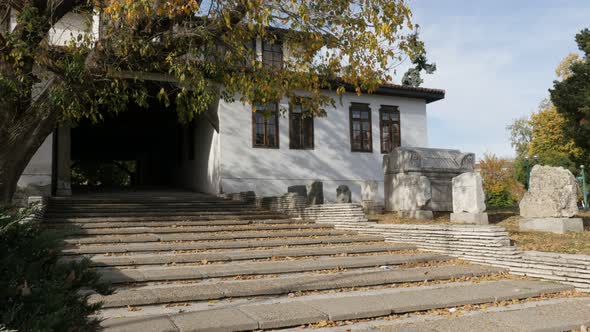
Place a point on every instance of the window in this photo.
(300, 128)
(360, 128)
(272, 54)
(390, 128)
(265, 126)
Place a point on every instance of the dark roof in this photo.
(429, 95)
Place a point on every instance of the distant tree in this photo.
(571, 95)
(520, 135)
(543, 137)
(197, 47)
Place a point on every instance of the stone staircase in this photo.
(188, 262)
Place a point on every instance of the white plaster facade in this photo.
(269, 172)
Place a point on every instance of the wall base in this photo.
(470, 218)
(552, 225)
(416, 214)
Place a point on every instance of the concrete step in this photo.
(150, 295)
(282, 313)
(178, 217)
(203, 245)
(167, 237)
(74, 230)
(238, 255)
(162, 213)
(168, 273)
(557, 316)
(161, 222)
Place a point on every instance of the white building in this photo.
(230, 148)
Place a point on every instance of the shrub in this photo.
(38, 293)
(499, 182)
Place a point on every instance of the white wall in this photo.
(270, 171)
(36, 178)
(202, 173)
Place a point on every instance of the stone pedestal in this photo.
(469, 200)
(416, 214)
(550, 202)
(552, 225)
(315, 193)
(470, 218)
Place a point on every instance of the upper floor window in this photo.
(265, 126)
(300, 128)
(360, 128)
(272, 54)
(390, 128)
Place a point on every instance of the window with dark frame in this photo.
(265, 126)
(300, 128)
(360, 128)
(272, 54)
(389, 122)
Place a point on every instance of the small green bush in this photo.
(37, 293)
(501, 199)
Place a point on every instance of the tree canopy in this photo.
(571, 96)
(192, 52)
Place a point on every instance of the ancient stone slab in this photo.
(300, 190)
(468, 195)
(438, 165)
(315, 193)
(416, 214)
(343, 194)
(408, 192)
(553, 225)
(369, 190)
(552, 193)
(470, 218)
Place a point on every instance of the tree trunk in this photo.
(21, 135)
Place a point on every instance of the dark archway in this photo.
(136, 148)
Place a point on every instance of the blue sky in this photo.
(496, 60)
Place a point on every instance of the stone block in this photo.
(300, 190)
(407, 192)
(315, 193)
(552, 192)
(369, 190)
(468, 195)
(552, 225)
(343, 194)
(416, 214)
(470, 218)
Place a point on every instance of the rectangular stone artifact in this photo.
(420, 178)
(553, 225)
(469, 200)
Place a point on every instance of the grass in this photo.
(572, 243)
